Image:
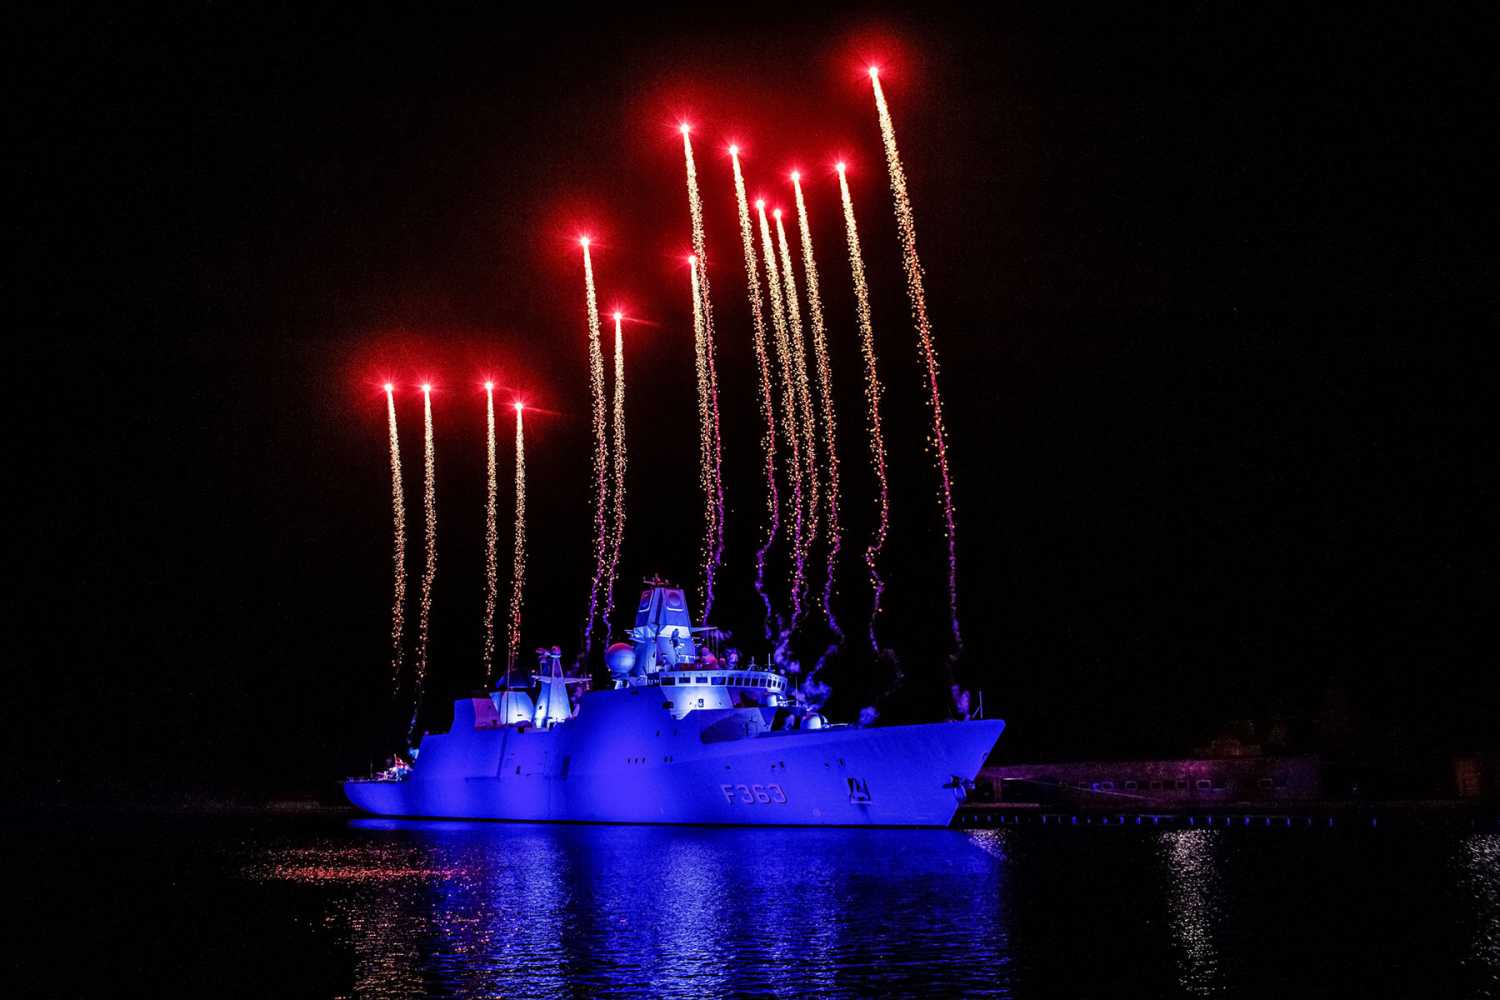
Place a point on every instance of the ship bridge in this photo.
(666, 652)
(690, 688)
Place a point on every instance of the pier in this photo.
(1320, 815)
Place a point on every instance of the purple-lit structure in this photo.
(681, 738)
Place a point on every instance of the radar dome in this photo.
(620, 659)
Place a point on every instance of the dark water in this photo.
(328, 907)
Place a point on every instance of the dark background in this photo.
(1209, 295)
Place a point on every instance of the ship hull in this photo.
(625, 759)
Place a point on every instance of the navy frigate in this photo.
(681, 736)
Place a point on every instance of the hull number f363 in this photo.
(753, 795)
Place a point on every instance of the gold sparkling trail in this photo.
(617, 495)
(491, 533)
(518, 560)
(429, 566)
(398, 516)
(601, 455)
(830, 465)
(873, 392)
(763, 366)
(804, 391)
(714, 551)
(705, 436)
(788, 416)
(938, 437)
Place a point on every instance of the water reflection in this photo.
(449, 909)
(456, 909)
(1195, 898)
(1480, 864)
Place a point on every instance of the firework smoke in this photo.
(491, 534)
(763, 366)
(825, 398)
(713, 484)
(398, 514)
(788, 415)
(601, 453)
(804, 390)
(518, 561)
(429, 566)
(873, 392)
(918, 297)
(617, 495)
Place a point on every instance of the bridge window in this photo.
(668, 681)
(720, 679)
(701, 680)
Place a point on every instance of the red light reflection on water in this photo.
(352, 873)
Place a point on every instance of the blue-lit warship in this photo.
(682, 737)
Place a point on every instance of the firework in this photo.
(705, 434)
(518, 561)
(398, 515)
(830, 467)
(601, 452)
(788, 413)
(873, 392)
(938, 438)
(429, 565)
(804, 390)
(763, 367)
(708, 389)
(617, 494)
(491, 535)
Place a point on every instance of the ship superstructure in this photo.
(683, 736)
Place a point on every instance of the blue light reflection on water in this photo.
(485, 909)
(461, 909)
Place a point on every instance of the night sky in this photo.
(1208, 295)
